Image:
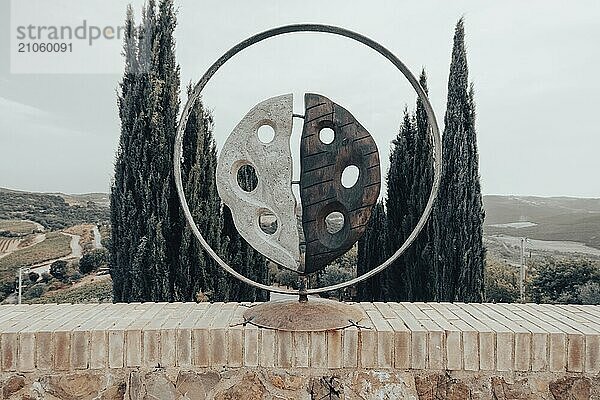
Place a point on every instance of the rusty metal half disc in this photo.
(314, 315)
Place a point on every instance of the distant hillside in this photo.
(544, 218)
(101, 199)
(53, 211)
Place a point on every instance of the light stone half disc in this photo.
(273, 194)
(313, 315)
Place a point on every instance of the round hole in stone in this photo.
(267, 222)
(247, 178)
(266, 133)
(334, 222)
(350, 176)
(326, 135)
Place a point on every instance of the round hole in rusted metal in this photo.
(334, 222)
(350, 176)
(327, 135)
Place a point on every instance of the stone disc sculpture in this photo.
(321, 190)
(334, 213)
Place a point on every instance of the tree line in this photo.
(153, 253)
(446, 261)
(557, 279)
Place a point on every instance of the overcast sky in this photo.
(534, 65)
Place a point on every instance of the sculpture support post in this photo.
(302, 286)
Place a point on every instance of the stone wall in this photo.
(276, 383)
(201, 351)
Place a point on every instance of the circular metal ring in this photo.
(433, 132)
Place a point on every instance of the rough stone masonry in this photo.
(203, 351)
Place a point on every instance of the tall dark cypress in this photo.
(400, 275)
(154, 256)
(409, 182)
(145, 246)
(168, 86)
(459, 215)
(370, 254)
(121, 198)
(420, 253)
(196, 272)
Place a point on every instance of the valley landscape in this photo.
(552, 225)
(37, 230)
(53, 238)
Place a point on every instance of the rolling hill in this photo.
(544, 218)
(53, 211)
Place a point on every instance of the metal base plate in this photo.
(313, 315)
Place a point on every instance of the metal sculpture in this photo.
(321, 189)
(322, 192)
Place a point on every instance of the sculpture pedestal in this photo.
(313, 315)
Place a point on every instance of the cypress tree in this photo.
(167, 85)
(154, 256)
(122, 202)
(409, 181)
(390, 225)
(129, 194)
(400, 275)
(144, 243)
(370, 255)
(419, 257)
(459, 215)
(196, 270)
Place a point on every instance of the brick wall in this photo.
(409, 348)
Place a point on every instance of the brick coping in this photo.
(402, 336)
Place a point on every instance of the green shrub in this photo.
(34, 276)
(58, 269)
(93, 292)
(6, 288)
(565, 281)
(46, 277)
(57, 285)
(589, 293)
(287, 278)
(35, 291)
(75, 276)
(93, 260)
(501, 282)
(332, 275)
